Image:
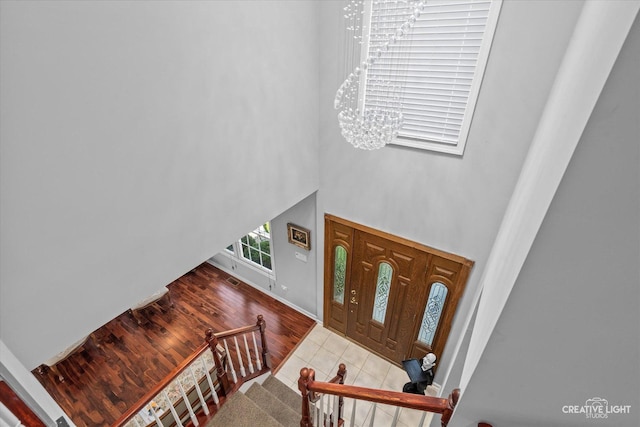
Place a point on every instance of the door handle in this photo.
(353, 300)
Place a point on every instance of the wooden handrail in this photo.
(388, 397)
(18, 408)
(309, 388)
(153, 392)
(237, 331)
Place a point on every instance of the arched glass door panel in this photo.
(339, 272)
(432, 313)
(383, 286)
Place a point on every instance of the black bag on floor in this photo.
(410, 388)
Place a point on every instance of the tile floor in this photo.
(324, 350)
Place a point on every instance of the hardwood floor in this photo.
(116, 369)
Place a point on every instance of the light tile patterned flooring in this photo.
(324, 350)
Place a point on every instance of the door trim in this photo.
(457, 285)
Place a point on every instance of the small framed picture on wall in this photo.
(299, 236)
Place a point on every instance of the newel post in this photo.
(342, 373)
(266, 359)
(451, 405)
(303, 381)
(221, 372)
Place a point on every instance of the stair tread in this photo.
(241, 411)
(287, 395)
(272, 405)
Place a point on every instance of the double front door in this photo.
(393, 296)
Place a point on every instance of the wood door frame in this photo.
(346, 241)
(456, 283)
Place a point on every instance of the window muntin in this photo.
(256, 247)
(432, 313)
(435, 67)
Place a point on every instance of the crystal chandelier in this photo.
(371, 127)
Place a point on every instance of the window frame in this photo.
(238, 252)
(483, 56)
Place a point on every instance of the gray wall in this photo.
(137, 140)
(570, 329)
(294, 279)
(140, 138)
(451, 203)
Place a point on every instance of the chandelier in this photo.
(371, 126)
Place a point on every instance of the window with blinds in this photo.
(435, 68)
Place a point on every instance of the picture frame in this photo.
(299, 236)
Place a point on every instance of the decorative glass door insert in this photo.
(432, 313)
(383, 286)
(339, 272)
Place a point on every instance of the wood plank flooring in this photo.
(116, 369)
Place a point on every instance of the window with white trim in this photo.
(254, 248)
(437, 64)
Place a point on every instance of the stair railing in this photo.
(331, 415)
(318, 410)
(203, 376)
(230, 355)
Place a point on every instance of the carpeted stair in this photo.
(271, 404)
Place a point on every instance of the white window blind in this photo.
(436, 69)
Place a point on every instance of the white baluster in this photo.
(176, 417)
(233, 371)
(327, 412)
(246, 347)
(188, 405)
(314, 415)
(205, 408)
(216, 400)
(373, 415)
(155, 415)
(136, 422)
(243, 373)
(335, 410)
(353, 413)
(258, 363)
(424, 415)
(321, 410)
(395, 417)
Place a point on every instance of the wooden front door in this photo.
(383, 294)
(393, 296)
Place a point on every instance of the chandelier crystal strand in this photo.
(377, 126)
